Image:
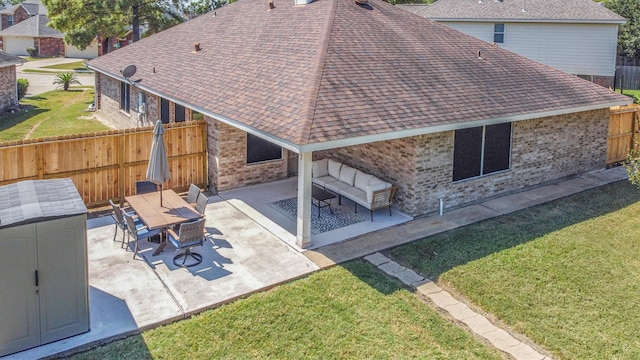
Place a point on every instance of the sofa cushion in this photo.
(347, 174)
(362, 180)
(356, 195)
(320, 168)
(372, 188)
(334, 168)
(337, 186)
(322, 181)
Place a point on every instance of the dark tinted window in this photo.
(259, 150)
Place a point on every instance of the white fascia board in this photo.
(450, 127)
(327, 145)
(501, 20)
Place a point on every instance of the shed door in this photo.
(19, 315)
(64, 300)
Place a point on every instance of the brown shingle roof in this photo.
(333, 70)
(534, 10)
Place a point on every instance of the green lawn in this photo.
(565, 274)
(72, 66)
(348, 312)
(53, 113)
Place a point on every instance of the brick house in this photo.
(579, 37)
(438, 113)
(25, 26)
(8, 78)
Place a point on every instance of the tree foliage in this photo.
(65, 80)
(82, 21)
(629, 33)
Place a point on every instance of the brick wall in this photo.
(422, 166)
(109, 102)
(48, 46)
(20, 15)
(7, 86)
(228, 168)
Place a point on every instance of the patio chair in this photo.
(192, 195)
(120, 222)
(145, 186)
(189, 235)
(138, 232)
(201, 203)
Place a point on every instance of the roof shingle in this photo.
(333, 70)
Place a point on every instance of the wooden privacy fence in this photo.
(623, 127)
(106, 165)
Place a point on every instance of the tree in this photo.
(629, 33)
(82, 21)
(65, 80)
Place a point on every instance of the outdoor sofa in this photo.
(363, 189)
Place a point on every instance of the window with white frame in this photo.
(10, 20)
(481, 150)
(498, 33)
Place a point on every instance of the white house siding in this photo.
(17, 45)
(580, 49)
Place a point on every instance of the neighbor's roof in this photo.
(332, 73)
(35, 26)
(32, 7)
(7, 59)
(581, 11)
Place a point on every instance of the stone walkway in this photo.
(477, 323)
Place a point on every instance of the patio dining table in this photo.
(174, 210)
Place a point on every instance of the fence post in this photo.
(40, 160)
(205, 157)
(121, 167)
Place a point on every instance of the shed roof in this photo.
(334, 73)
(577, 11)
(39, 200)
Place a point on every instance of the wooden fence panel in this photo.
(106, 165)
(622, 129)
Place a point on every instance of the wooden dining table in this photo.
(174, 210)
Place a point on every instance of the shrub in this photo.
(23, 85)
(33, 52)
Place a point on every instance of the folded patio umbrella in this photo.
(158, 168)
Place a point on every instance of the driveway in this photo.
(40, 82)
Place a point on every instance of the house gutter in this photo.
(327, 145)
(507, 20)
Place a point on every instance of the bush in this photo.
(23, 85)
(33, 52)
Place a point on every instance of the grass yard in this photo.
(53, 113)
(71, 66)
(565, 274)
(346, 312)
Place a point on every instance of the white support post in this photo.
(303, 230)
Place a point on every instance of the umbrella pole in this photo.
(161, 195)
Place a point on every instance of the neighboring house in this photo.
(578, 37)
(26, 27)
(438, 113)
(8, 79)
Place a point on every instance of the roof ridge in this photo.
(316, 76)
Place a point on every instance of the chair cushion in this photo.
(320, 168)
(355, 194)
(334, 168)
(347, 174)
(362, 180)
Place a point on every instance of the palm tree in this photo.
(66, 79)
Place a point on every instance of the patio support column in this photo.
(303, 229)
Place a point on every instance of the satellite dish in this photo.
(128, 71)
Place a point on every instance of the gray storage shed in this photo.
(44, 287)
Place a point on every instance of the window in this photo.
(498, 33)
(125, 103)
(180, 116)
(10, 20)
(164, 111)
(481, 150)
(259, 150)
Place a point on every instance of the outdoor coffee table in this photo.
(322, 198)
